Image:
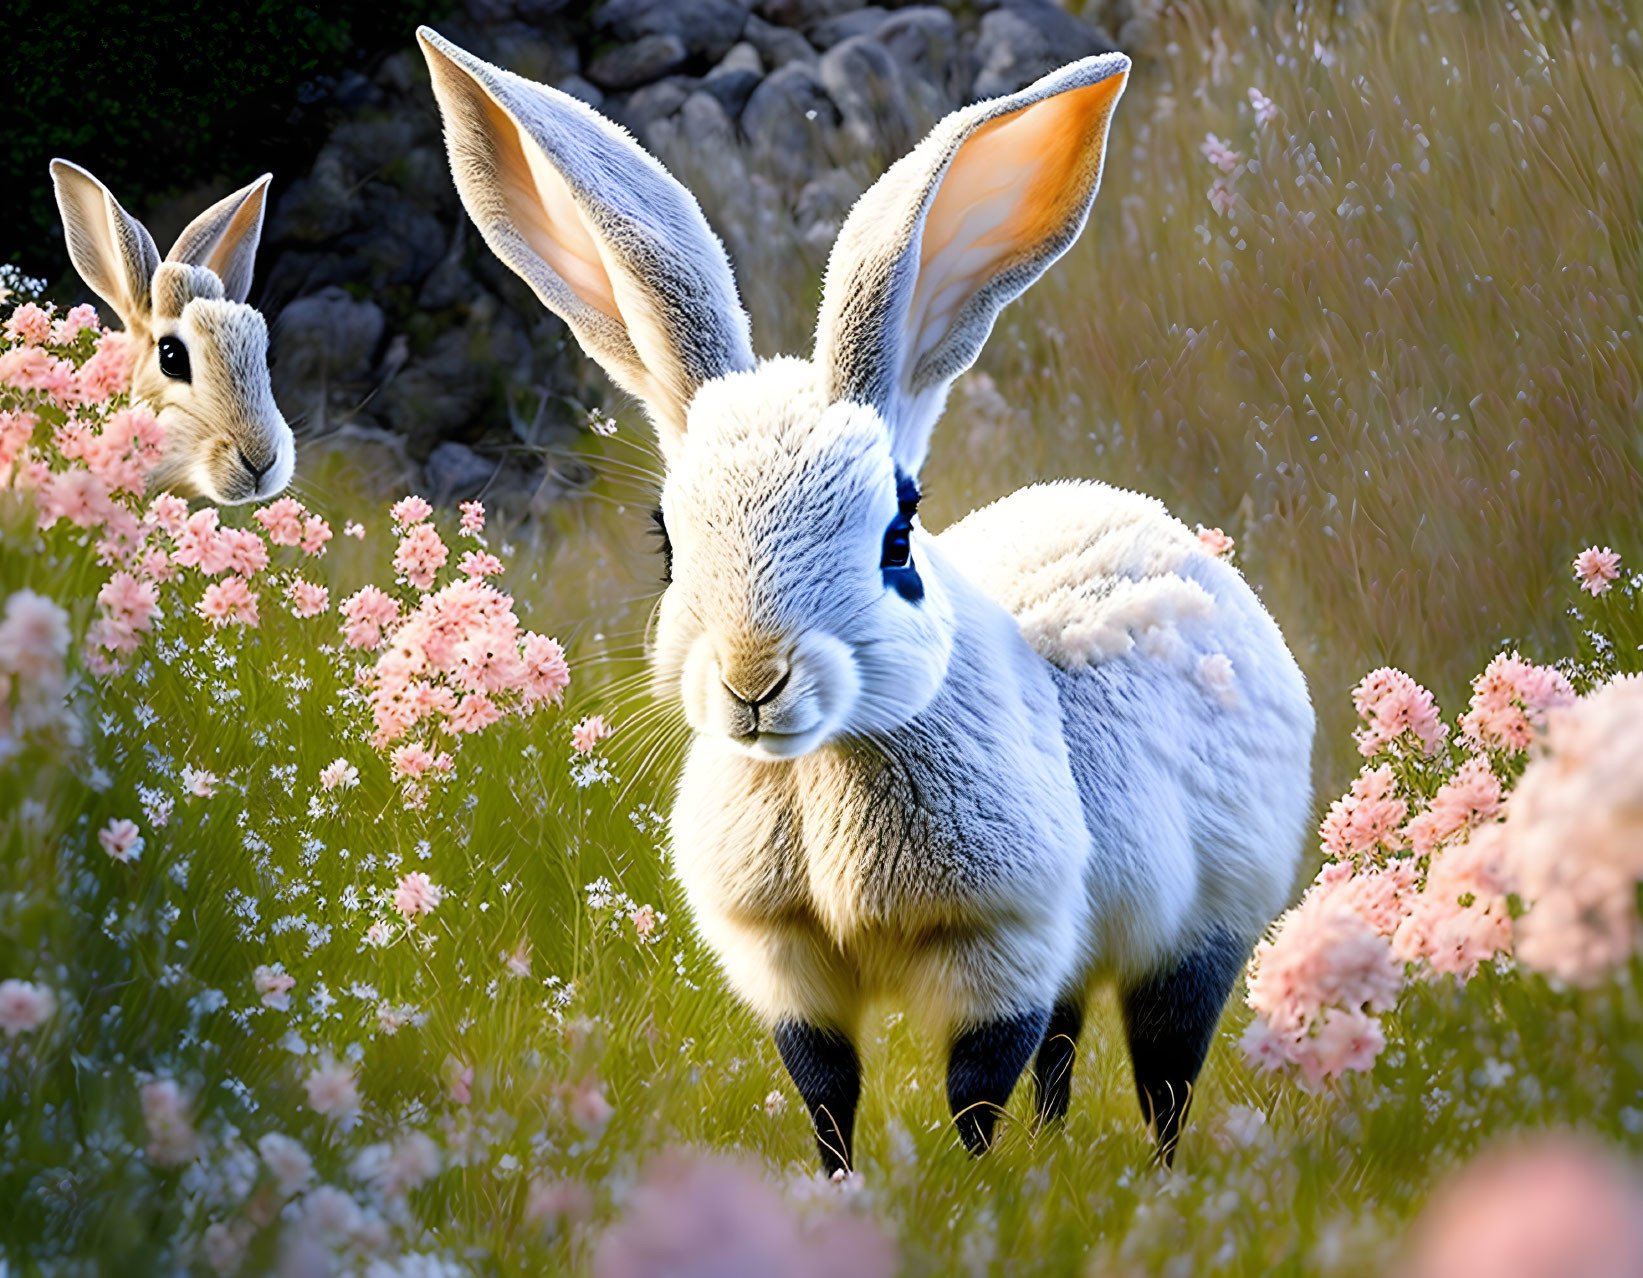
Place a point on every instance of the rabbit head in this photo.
(805, 603)
(200, 357)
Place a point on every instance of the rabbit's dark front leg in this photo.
(982, 1068)
(1053, 1068)
(824, 1067)
(1170, 1017)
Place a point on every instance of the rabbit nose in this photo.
(257, 472)
(770, 679)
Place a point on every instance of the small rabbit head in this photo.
(201, 354)
(805, 603)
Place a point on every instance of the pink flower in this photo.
(29, 324)
(1595, 569)
(198, 783)
(282, 520)
(474, 712)
(697, 1214)
(315, 533)
(644, 921)
(473, 517)
(200, 545)
(411, 760)
(332, 1089)
(1510, 699)
(1558, 1205)
(34, 638)
(588, 733)
(1470, 796)
(76, 495)
(519, 962)
(365, 613)
(462, 1081)
(1365, 818)
(477, 563)
(307, 599)
(1266, 110)
(546, 672)
(1223, 197)
(244, 550)
(1322, 953)
(129, 606)
(230, 600)
(1220, 154)
(549, 1200)
(589, 1109)
(1344, 1039)
(108, 372)
(411, 510)
(172, 1140)
(339, 772)
(1215, 541)
(1393, 704)
(24, 1006)
(1572, 841)
(79, 318)
(421, 555)
(121, 840)
(170, 512)
(378, 934)
(274, 986)
(16, 432)
(354, 530)
(416, 894)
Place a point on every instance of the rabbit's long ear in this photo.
(224, 238)
(609, 241)
(951, 232)
(112, 250)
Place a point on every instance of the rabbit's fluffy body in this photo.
(972, 773)
(994, 822)
(225, 437)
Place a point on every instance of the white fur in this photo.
(222, 422)
(1082, 750)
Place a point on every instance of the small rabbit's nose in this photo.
(739, 685)
(257, 472)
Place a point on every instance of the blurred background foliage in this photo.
(165, 97)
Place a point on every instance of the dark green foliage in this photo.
(160, 97)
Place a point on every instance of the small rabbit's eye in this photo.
(898, 544)
(174, 358)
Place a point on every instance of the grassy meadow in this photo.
(1384, 332)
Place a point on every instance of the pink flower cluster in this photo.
(1510, 700)
(1572, 843)
(287, 523)
(1394, 707)
(1596, 569)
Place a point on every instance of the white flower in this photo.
(339, 772)
(288, 1161)
(24, 1006)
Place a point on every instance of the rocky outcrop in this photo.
(392, 320)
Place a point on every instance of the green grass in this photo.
(1408, 469)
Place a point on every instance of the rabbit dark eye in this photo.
(174, 358)
(896, 558)
(659, 528)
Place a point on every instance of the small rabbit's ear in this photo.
(609, 241)
(112, 250)
(951, 232)
(224, 238)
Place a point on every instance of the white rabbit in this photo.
(201, 354)
(974, 773)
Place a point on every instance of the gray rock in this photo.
(456, 473)
(924, 41)
(538, 10)
(789, 119)
(629, 65)
(440, 392)
(577, 87)
(527, 50)
(654, 102)
(399, 242)
(735, 78)
(865, 82)
(705, 125)
(1027, 39)
(801, 13)
(831, 31)
(323, 347)
(706, 27)
(777, 45)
